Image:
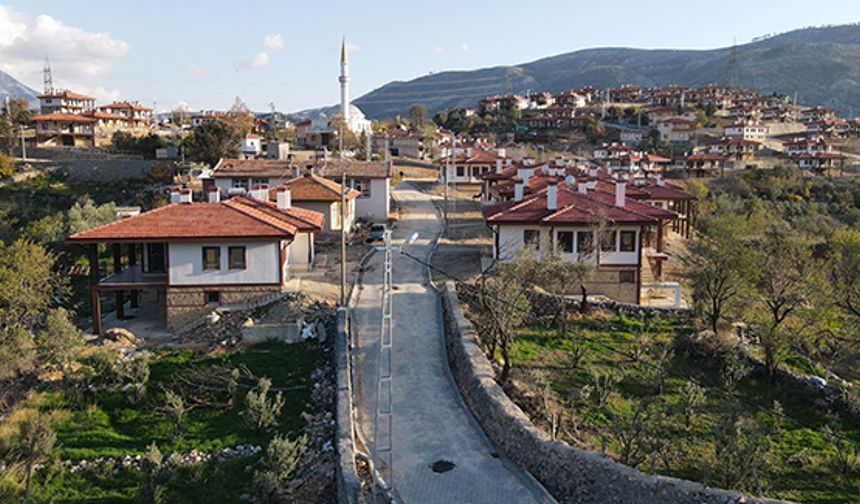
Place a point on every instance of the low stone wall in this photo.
(348, 484)
(186, 305)
(78, 153)
(570, 474)
(106, 169)
(545, 304)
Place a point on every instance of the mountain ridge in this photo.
(821, 64)
(15, 89)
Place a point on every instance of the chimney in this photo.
(591, 184)
(215, 195)
(660, 181)
(509, 161)
(499, 165)
(552, 195)
(518, 191)
(582, 187)
(570, 180)
(185, 196)
(284, 198)
(620, 198)
(260, 192)
(501, 152)
(592, 172)
(468, 152)
(175, 196)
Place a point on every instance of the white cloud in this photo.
(438, 50)
(74, 53)
(260, 60)
(273, 41)
(465, 47)
(100, 93)
(197, 71)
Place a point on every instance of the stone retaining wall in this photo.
(570, 474)
(348, 484)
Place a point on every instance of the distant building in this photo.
(65, 102)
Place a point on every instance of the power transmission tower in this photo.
(734, 66)
(47, 78)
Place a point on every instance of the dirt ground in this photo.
(466, 240)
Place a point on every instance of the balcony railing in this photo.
(134, 276)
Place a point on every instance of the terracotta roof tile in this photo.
(311, 187)
(239, 217)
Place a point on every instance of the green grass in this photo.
(112, 427)
(798, 465)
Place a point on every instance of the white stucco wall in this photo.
(301, 250)
(185, 262)
(376, 207)
(511, 240)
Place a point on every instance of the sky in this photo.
(203, 54)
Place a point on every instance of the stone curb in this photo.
(348, 484)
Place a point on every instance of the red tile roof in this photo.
(57, 116)
(273, 168)
(70, 95)
(126, 105)
(574, 208)
(311, 187)
(239, 217)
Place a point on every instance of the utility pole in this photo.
(23, 145)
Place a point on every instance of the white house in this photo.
(251, 146)
(747, 131)
(323, 196)
(371, 179)
(198, 256)
(584, 224)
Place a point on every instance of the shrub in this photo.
(281, 462)
(176, 409)
(262, 411)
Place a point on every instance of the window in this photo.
(584, 242)
(362, 186)
(531, 237)
(259, 181)
(236, 258)
(628, 241)
(240, 183)
(607, 241)
(565, 241)
(461, 170)
(211, 258)
(628, 276)
(213, 297)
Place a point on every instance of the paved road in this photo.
(430, 422)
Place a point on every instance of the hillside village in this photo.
(638, 295)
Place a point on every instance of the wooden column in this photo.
(117, 267)
(688, 205)
(132, 261)
(94, 293)
(660, 236)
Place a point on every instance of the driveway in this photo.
(429, 420)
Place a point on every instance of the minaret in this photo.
(344, 83)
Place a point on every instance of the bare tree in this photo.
(503, 303)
